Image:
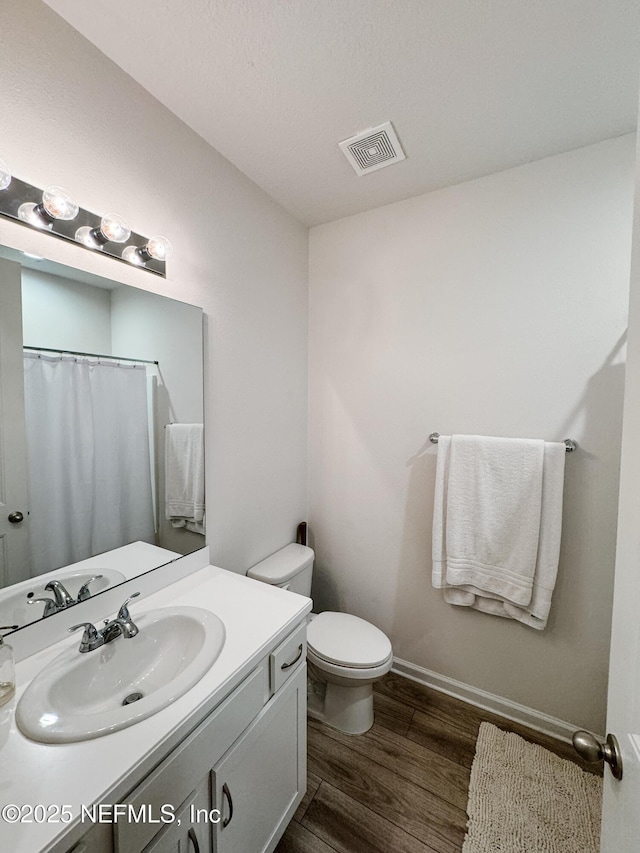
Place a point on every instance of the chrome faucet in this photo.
(61, 598)
(123, 624)
(60, 594)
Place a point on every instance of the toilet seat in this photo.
(343, 640)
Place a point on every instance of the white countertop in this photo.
(256, 617)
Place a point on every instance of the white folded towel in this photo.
(535, 614)
(497, 525)
(184, 476)
(493, 514)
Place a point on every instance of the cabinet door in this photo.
(191, 830)
(261, 780)
(99, 839)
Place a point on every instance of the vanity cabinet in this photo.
(234, 783)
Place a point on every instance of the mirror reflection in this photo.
(101, 435)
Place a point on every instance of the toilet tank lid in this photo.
(283, 565)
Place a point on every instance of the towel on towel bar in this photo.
(184, 476)
(497, 523)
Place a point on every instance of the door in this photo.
(621, 816)
(14, 545)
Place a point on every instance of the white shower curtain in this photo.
(88, 458)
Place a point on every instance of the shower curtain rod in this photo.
(91, 355)
(569, 443)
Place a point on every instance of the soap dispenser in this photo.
(7, 670)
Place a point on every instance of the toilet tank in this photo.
(289, 568)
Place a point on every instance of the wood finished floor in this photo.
(402, 787)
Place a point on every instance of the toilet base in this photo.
(348, 709)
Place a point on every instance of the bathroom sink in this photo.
(14, 604)
(80, 696)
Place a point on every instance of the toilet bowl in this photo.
(345, 654)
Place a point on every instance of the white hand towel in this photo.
(184, 476)
(493, 515)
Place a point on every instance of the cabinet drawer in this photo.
(289, 655)
(173, 780)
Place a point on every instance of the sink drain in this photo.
(132, 697)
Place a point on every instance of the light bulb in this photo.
(159, 248)
(5, 175)
(32, 214)
(133, 256)
(114, 228)
(85, 236)
(58, 204)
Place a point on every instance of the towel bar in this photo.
(569, 443)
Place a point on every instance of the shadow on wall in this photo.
(324, 591)
(426, 630)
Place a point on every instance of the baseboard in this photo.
(487, 701)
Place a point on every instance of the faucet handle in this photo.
(91, 638)
(83, 592)
(123, 613)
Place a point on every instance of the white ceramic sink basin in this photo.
(14, 603)
(79, 696)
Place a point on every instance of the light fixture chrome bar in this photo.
(19, 192)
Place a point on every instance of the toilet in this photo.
(345, 654)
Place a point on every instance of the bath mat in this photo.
(525, 799)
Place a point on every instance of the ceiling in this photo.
(471, 87)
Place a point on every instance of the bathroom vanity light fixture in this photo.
(54, 211)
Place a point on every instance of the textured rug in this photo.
(525, 799)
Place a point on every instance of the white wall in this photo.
(57, 312)
(166, 331)
(70, 116)
(169, 332)
(493, 307)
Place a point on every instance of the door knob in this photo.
(15, 517)
(592, 750)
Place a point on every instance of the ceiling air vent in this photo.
(373, 149)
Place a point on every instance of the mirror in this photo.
(101, 421)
